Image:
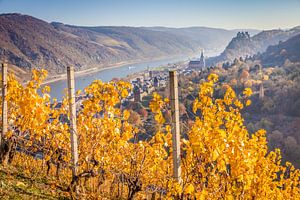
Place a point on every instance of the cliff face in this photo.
(241, 45)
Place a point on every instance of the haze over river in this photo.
(82, 81)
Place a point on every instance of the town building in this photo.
(197, 65)
(136, 94)
(155, 82)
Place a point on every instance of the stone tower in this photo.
(261, 91)
(261, 88)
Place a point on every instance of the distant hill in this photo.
(211, 39)
(132, 41)
(288, 51)
(27, 42)
(244, 45)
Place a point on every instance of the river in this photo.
(82, 81)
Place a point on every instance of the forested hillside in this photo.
(28, 42)
(278, 110)
(284, 53)
(245, 45)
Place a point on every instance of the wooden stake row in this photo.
(72, 111)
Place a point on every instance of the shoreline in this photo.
(86, 72)
(99, 69)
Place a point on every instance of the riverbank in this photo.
(110, 66)
(88, 71)
(179, 65)
(84, 79)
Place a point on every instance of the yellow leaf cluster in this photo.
(220, 159)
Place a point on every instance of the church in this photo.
(197, 64)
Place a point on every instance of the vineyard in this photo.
(219, 158)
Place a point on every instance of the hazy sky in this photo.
(230, 14)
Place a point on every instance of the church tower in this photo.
(202, 60)
(199, 64)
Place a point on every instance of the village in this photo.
(146, 82)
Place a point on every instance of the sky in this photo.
(228, 14)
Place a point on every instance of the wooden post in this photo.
(4, 102)
(72, 110)
(175, 125)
